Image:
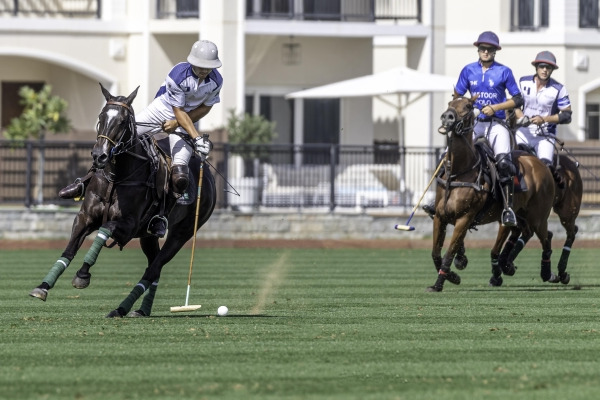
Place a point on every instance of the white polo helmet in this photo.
(204, 54)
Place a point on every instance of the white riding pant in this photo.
(156, 113)
(543, 145)
(495, 133)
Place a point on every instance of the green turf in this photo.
(303, 324)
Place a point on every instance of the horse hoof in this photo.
(39, 293)
(509, 269)
(549, 277)
(136, 314)
(81, 281)
(565, 278)
(461, 262)
(453, 277)
(496, 281)
(433, 289)
(114, 314)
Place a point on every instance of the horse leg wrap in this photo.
(546, 270)
(137, 292)
(496, 271)
(149, 299)
(516, 250)
(92, 255)
(503, 259)
(57, 269)
(564, 259)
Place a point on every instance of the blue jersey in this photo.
(183, 89)
(491, 85)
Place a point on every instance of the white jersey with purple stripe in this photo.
(549, 100)
(491, 85)
(183, 89)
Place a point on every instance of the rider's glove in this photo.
(523, 121)
(203, 146)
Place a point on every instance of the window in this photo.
(529, 14)
(11, 101)
(592, 121)
(321, 126)
(588, 13)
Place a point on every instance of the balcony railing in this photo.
(334, 10)
(54, 9)
(308, 10)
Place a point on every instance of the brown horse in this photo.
(465, 198)
(567, 203)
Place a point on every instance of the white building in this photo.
(271, 48)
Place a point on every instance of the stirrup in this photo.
(509, 218)
(158, 226)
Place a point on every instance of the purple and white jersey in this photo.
(491, 85)
(549, 100)
(182, 88)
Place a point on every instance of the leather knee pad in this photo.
(179, 178)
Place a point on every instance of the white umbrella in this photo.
(393, 81)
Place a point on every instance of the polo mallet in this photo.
(408, 227)
(187, 307)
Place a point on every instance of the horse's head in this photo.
(115, 129)
(459, 116)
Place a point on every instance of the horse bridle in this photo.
(118, 147)
(460, 126)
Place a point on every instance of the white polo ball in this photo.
(222, 311)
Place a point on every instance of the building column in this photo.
(222, 22)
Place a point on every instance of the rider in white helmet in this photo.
(188, 93)
(546, 105)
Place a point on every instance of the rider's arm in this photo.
(184, 121)
(514, 102)
(195, 115)
(565, 115)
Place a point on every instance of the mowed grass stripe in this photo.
(318, 324)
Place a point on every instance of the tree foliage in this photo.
(42, 113)
(248, 132)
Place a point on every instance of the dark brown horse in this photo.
(567, 203)
(123, 194)
(464, 198)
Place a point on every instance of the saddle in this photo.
(487, 174)
(162, 144)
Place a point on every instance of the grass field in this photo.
(303, 324)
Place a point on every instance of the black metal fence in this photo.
(265, 178)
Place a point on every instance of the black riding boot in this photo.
(558, 178)
(75, 189)
(506, 173)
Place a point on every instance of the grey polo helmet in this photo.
(545, 57)
(204, 54)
